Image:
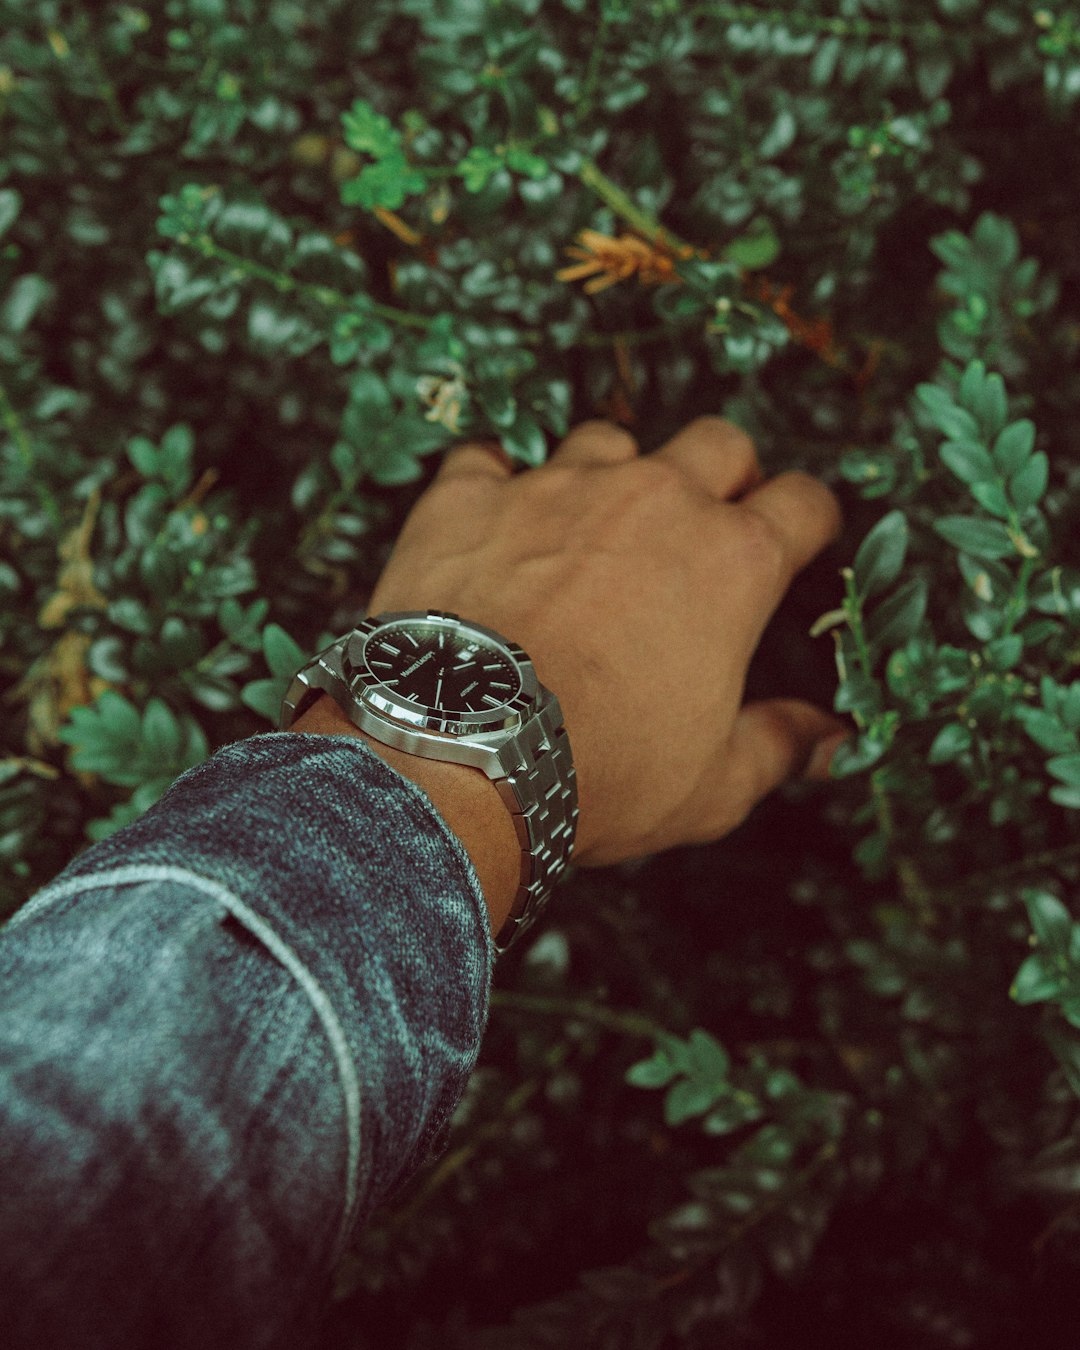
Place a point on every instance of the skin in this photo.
(640, 587)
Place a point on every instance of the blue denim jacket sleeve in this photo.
(226, 1032)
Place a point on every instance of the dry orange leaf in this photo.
(608, 261)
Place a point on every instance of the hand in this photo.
(640, 587)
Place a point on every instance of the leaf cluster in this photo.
(261, 265)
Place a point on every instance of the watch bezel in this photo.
(369, 689)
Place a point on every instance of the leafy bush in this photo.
(261, 262)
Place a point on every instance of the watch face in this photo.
(442, 667)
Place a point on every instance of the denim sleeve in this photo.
(226, 1032)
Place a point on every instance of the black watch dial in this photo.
(439, 667)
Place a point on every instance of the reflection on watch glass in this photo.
(440, 667)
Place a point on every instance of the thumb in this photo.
(777, 739)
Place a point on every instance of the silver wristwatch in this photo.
(432, 684)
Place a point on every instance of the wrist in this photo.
(466, 798)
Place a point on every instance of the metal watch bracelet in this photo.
(538, 783)
(542, 798)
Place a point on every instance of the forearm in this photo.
(465, 798)
(226, 1032)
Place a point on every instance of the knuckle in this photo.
(761, 544)
(720, 429)
(554, 478)
(464, 497)
(818, 496)
(652, 489)
(606, 434)
(444, 493)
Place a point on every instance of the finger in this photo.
(819, 768)
(717, 455)
(774, 740)
(475, 459)
(596, 442)
(804, 515)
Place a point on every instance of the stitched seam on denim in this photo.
(282, 952)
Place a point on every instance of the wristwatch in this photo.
(435, 685)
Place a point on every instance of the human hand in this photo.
(640, 587)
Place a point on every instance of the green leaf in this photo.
(387, 184)
(370, 400)
(855, 756)
(651, 1073)
(131, 614)
(758, 247)
(993, 406)
(1035, 982)
(111, 739)
(881, 554)
(10, 206)
(858, 693)
(709, 1058)
(214, 692)
(478, 168)
(369, 132)
(161, 734)
(179, 643)
(991, 497)
(1051, 921)
(731, 1114)
(283, 654)
(980, 538)
(526, 162)
(970, 461)
(1065, 767)
(264, 697)
(22, 302)
(540, 194)
(1013, 446)
(771, 1146)
(875, 474)
(950, 742)
(1070, 705)
(1028, 483)
(898, 617)
(97, 730)
(525, 440)
(622, 91)
(823, 65)
(1004, 653)
(972, 383)
(956, 422)
(688, 1098)
(271, 326)
(390, 464)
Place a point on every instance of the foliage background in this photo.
(260, 262)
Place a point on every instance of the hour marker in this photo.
(382, 663)
(496, 685)
(495, 702)
(387, 647)
(411, 639)
(495, 665)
